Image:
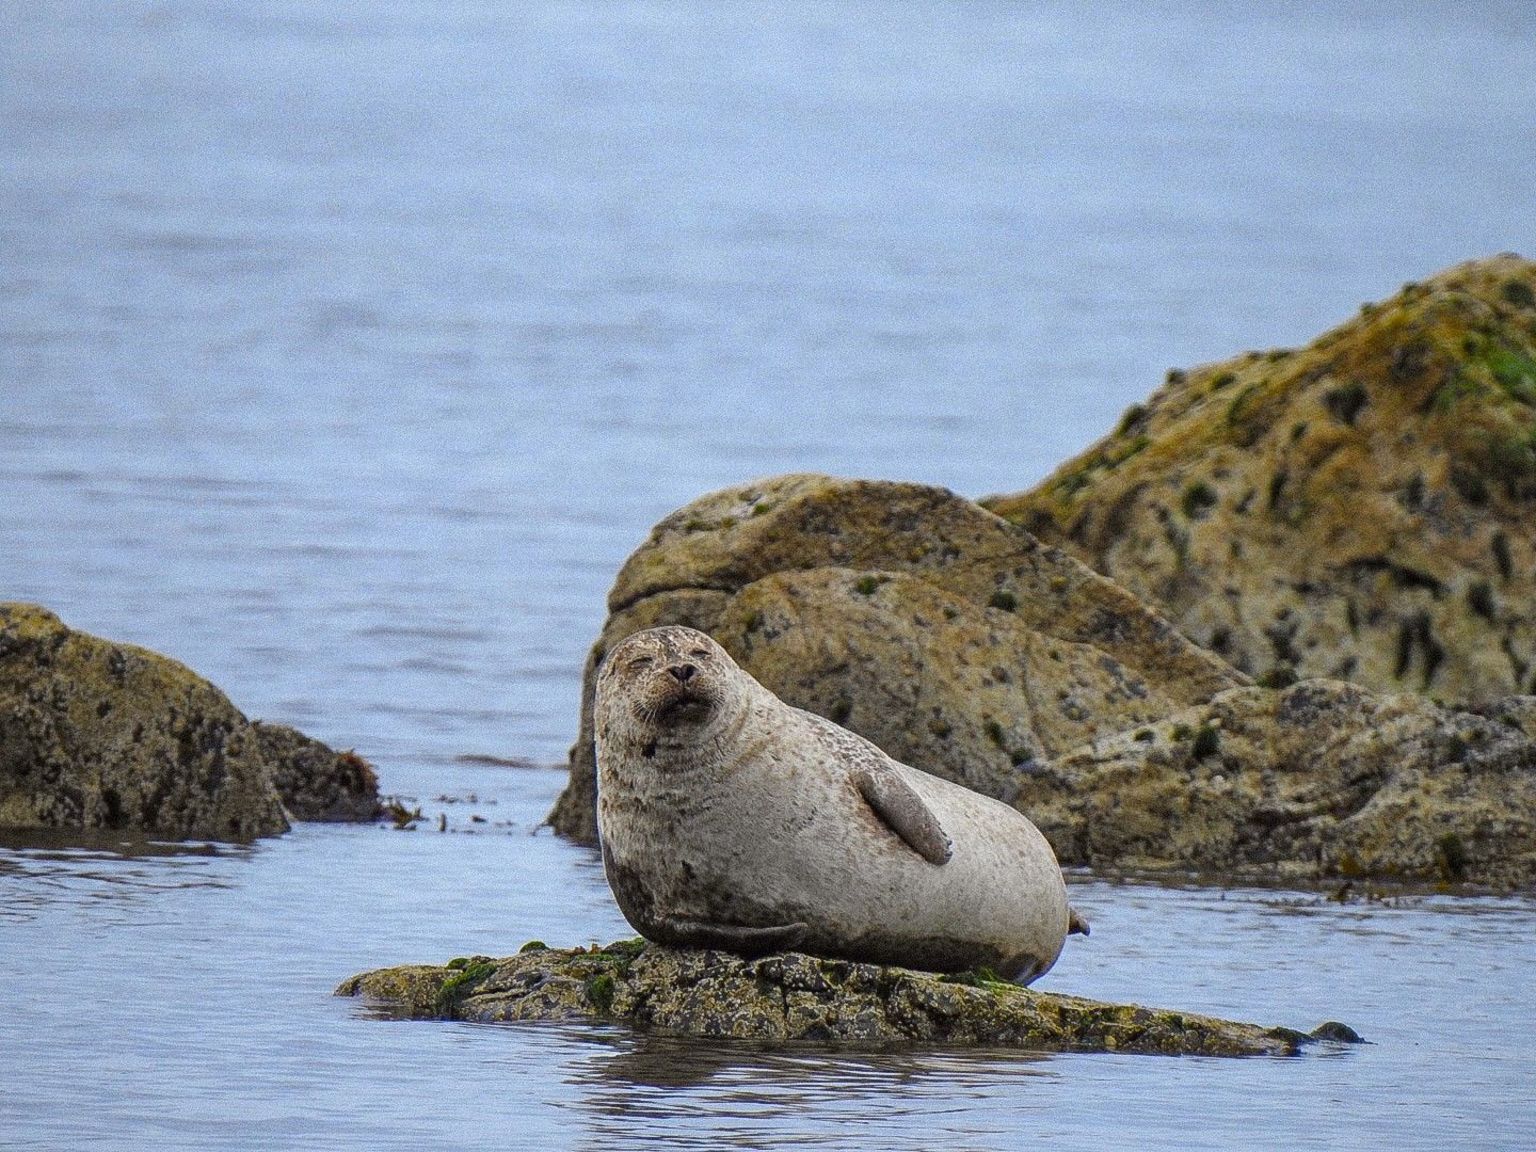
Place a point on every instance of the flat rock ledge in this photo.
(792, 997)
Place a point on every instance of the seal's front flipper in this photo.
(681, 932)
(897, 803)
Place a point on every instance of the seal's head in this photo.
(664, 684)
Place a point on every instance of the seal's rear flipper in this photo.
(1077, 923)
(897, 803)
(684, 933)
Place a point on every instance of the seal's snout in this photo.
(682, 673)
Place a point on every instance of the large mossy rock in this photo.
(791, 997)
(1324, 780)
(950, 637)
(98, 735)
(1361, 508)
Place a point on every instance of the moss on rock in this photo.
(99, 735)
(1358, 509)
(794, 998)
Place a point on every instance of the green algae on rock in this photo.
(794, 998)
(1357, 509)
(98, 735)
(951, 638)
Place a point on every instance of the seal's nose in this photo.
(682, 672)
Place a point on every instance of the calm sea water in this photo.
(346, 349)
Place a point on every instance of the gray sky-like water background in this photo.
(346, 350)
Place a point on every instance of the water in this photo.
(346, 349)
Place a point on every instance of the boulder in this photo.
(314, 781)
(1357, 509)
(951, 638)
(792, 997)
(1323, 780)
(99, 735)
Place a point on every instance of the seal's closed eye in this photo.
(639, 664)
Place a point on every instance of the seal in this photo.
(730, 819)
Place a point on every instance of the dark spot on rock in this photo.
(1470, 486)
(1408, 361)
(1207, 742)
(1402, 576)
(1280, 676)
(1344, 403)
(1518, 293)
(1277, 484)
(1480, 600)
(1451, 856)
(1502, 556)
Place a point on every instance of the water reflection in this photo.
(686, 1094)
(43, 868)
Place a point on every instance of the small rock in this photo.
(315, 781)
(792, 997)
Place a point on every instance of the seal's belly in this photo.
(830, 863)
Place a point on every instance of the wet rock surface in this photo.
(794, 998)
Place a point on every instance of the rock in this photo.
(101, 735)
(1517, 712)
(315, 781)
(1357, 509)
(792, 997)
(1322, 780)
(97, 735)
(953, 639)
